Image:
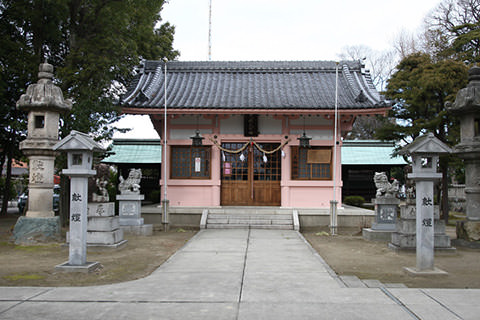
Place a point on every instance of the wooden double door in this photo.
(251, 180)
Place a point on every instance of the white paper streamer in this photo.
(242, 157)
(265, 158)
(283, 154)
(223, 156)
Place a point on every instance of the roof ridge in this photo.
(248, 66)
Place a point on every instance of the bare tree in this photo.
(453, 30)
(381, 64)
(406, 43)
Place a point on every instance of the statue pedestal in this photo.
(386, 209)
(130, 213)
(404, 237)
(129, 209)
(103, 229)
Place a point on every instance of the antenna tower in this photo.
(210, 32)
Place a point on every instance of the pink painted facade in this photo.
(216, 99)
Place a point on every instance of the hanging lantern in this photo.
(304, 141)
(197, 139)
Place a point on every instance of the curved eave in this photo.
(361, 111)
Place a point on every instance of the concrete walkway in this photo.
(239, 274)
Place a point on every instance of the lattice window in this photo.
(232, 167)
(270, 170)
(314, 163)
(189, 162)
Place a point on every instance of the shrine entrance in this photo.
(252, 179)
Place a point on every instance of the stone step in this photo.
(252, 216)
(240, 219)
(249, 220)
(249, 226)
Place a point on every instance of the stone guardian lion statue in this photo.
(384, 188)
(131, 185)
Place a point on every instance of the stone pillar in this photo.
(467, 107)
(424, 225)
(425, 151)
(78, 220)
(44, 102)
(79, 148)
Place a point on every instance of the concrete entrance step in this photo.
(250, 217)
(256, 221)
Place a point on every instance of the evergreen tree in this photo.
(94, 45)
(420, 88)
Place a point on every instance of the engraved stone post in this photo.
(425, 152)
(79, 148)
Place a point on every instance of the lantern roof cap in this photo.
(78, 141)
(426, 144)
(44, 95)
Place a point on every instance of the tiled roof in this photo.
(135, 151)
(369, 152)
(252, 85)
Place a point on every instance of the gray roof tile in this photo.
(252, 85)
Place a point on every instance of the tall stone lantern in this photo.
(425, 152)
(467, 107)
(79, 148)
(44, 102)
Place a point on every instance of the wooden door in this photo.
(251, 182)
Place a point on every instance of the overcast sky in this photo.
(282, 30)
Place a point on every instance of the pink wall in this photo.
(295, 193)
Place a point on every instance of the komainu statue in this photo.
(131, 185)
(384, 188)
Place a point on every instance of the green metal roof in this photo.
(369, 152)
(135, 151)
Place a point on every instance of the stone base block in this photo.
(101, 209)
(29, 230)
(409, 242)
(100, 237)
(468, 230)
(143, 230)
(131, 221)
(103, 223)
(410, 226)
(410, 212)
(99, 246)
(425, 273)
(376, 235)
(383, 226)
(86, 268)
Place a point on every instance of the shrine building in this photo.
(253, 133)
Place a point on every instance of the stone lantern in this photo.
(425, 152)
(44, 102)
(79, 147)
(467, 107)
